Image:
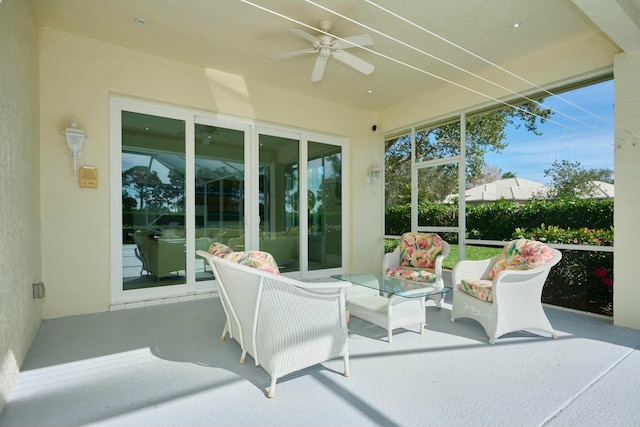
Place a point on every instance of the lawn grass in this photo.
(473, 252)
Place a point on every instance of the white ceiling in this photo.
(237, 37)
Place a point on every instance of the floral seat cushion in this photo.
(521, 254)
(257, 259)
(413, 274)
(480, 289)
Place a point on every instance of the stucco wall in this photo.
(75, 221)
(626, 298)
(19, 190)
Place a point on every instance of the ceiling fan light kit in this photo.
(326, 46)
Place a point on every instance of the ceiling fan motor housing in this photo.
(326, 26)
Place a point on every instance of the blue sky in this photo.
(588, 141)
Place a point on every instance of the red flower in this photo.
(601, 273)
(607, 281)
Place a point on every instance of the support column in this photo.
(626, 292)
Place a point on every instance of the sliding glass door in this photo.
(153, 201)
(182, 181)
(324, 195)
(279, 200)
(300, 203)
(219, 183)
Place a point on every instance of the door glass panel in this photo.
(278, 200)
(324, 188)
(153, 201)
(219, 190)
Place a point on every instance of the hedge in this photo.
(498, 220)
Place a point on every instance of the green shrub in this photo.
(580, 236)
(390, 245)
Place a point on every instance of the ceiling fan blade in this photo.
(292, 54)
(307, 36)
(353, 41)
(353, 61)
(318, 68)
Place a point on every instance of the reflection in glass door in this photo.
(153, 201)
(324, 187)
(219, 190)
(278, 200)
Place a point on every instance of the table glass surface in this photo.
(393, 285)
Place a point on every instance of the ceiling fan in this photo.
(326, 46)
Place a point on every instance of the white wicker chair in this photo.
(516, 304)
(392, 260)
(286, 325)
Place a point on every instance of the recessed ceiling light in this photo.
(370, 91)
(140, 21)
(517, 24)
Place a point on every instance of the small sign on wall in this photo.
(88, 177)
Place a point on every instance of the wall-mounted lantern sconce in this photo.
(75, 138)
(373, 174)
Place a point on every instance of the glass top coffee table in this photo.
(393, 286)
(389, 302)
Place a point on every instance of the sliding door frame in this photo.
(251, 131)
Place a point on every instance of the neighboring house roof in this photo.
(601, 190)
(520, 190)
(511, 189)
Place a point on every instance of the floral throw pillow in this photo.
(521, 254)
(219, 249)
(419, 250)
(257, 259)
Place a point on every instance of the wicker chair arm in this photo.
(468, 269)
(391, 259)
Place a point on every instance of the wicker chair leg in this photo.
(346, 366)
(224, 332)
(272, 389)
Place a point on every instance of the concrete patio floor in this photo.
(165, 366)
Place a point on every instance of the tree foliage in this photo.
(151, 193)
(142, 181)
(484, 133)
(571, 180)
(489, 173)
